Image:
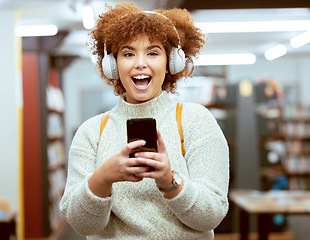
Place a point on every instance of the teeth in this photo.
(141, 77)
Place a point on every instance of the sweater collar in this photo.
(145, 109)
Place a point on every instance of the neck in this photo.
(145, 109)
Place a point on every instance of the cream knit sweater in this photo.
(139, 210)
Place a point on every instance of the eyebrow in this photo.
(148, 48)
(153, 46)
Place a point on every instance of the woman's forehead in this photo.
(144, 38)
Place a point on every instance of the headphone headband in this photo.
(175, 29)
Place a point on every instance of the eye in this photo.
(153, 53)
(128, 54)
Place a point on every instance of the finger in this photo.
(149, 155)
(130, 146)
(148, 162)
(136, 170)
(134, 178)
(160, 143)
(137, 166)
(149, 174)
(134, 173)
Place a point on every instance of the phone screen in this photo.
(142, 128)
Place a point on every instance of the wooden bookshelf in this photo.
(44, 155)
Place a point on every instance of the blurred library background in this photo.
(49, 86)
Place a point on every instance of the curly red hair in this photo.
(122, 23)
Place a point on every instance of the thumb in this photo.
(132, 145)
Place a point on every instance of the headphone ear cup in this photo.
(177, 60)
(109, 67)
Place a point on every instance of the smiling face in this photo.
(142, 66)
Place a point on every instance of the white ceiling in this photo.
(252, 42)
(67, 16)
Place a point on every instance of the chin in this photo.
(142, 97)
(141, 100)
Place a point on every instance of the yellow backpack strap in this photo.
(179, 120)
(104, 121)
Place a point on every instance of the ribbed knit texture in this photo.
(139, 210)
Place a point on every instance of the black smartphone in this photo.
(142, 128)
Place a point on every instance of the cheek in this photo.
(165, 69)
(162, 65)
(161, 78)
(123, 69)
(119, 65)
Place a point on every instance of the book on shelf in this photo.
(55, 99)
(56, 154)
(55, 127)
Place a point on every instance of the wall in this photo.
(79, 79)
(10, 109)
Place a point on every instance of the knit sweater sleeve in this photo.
(84, 211)
(202, 204)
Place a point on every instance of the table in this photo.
(265, 204)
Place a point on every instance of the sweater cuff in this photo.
(93, 204)
(185, 199)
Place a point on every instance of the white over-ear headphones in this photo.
(109, 66)
(176, 58)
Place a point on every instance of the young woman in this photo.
(153, 195)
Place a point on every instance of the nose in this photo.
(141, 62)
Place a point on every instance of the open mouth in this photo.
(141, 81)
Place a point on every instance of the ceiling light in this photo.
(275, 52)
(225, 59)
(254, 26)
(88, 17)
(300, 40)
(36, 30)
